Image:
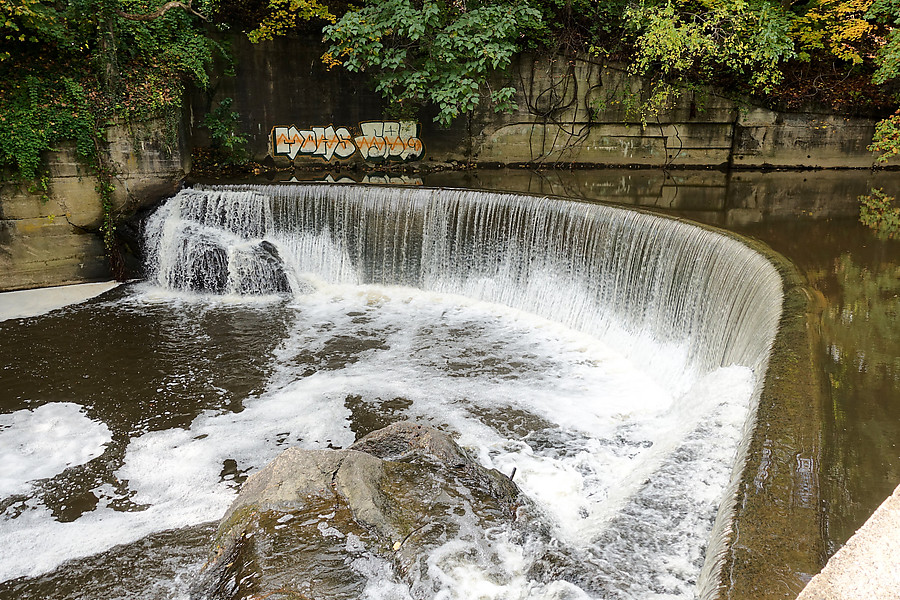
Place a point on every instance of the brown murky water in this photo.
(194, 359)
(859, 278)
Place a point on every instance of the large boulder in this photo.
(328, 523)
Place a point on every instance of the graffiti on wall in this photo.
(376, 141)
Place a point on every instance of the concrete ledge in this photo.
(49, 230)
(30, 303)
(868, 566)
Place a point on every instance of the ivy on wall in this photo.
(69, 70)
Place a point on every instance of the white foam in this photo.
(40, 443)
(462, 364)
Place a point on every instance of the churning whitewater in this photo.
(610, 358)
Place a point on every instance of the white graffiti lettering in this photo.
(388, 140)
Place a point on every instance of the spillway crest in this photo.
(645, 282)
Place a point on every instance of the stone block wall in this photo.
(50, 237)
(578, 111)
(570, 110)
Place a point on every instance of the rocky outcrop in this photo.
(207, 266)
(315, 523)
(267, 269)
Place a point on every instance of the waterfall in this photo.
(678, 300)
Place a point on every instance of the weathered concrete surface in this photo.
(574, 110)
(50, 237)
(867, 567)
(30, 303)
(48, 251)
(570, 110)
(765, 137)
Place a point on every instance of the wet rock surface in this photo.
(267, 269)
(333, 523)
(210, 267)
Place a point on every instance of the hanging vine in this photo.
(69, 71)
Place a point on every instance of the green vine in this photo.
(68, 71)
(36, 114)
(105, 189)
(433, 51)
(41, 186)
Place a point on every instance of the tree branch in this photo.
(160, 12)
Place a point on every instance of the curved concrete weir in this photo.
(681, 303)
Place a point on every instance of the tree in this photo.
(683, 39)
(26, 22)
(887, 14)
(283, 16)
(68, 68)
(432, 51)
(836, 28)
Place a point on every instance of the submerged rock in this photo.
(331, 523)
(205, 265)
(208, 268)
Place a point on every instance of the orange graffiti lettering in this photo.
(378, 140)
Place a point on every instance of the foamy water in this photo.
(40, 443)
(583, 428)
(607, 358)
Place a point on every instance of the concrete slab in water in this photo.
(868, 566)
(30, 303)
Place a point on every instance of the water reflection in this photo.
(858, 277)
(727, 199)
(862, 365)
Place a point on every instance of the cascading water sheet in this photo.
(611, 358)
(643, 282)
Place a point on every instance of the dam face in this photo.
(613, 358)
(600, 270)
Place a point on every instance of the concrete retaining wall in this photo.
(569, 110)
(50, 237)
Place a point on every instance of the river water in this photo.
(139, 438)
(811, 218)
